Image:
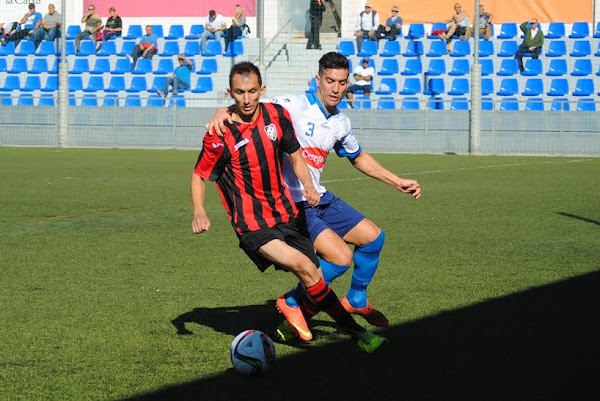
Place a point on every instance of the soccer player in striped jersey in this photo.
(321, 128)
(246, 164)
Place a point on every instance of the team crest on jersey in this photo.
(271, 131)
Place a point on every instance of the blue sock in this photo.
(366, 260)
(291, 299)
(331, 271)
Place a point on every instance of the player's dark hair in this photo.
(244, 68)
(333, 60)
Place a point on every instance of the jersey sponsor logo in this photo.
(314, 157)
(241, 143)
(271, 131)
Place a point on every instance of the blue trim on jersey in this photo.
(339, 150)
(313, 99)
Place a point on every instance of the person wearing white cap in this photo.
(366, 25)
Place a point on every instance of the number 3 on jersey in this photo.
(311, 129)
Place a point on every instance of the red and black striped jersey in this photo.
(246, 166)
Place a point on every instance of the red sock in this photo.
(327, 301)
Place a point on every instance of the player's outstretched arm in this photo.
(301, 169)
(371, 167)
(200, 222)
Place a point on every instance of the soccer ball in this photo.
(252, 352)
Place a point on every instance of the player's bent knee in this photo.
(374, 246)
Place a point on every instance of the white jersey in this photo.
(318, 133)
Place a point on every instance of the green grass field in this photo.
(490, 282)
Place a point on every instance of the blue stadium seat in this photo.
(368, 48)
(508, 67)
(40, 64)
(597, 31)
(581, 48)
(51, 84)
(557, 67)
(5, 99)
(486, 48)
(110, 100)
(54, 68)
(436, 26)
(191, 48)
(72, 99)
(435, 86)
(435, 103)
(195, 31)
(487, 67)
(557, 48)
(116, 84)
(560, 104)
(4, 67)
(410, 103)
(343, 105)
(534, 104)
(461, 66)
(346, 48)
(234, 49)
(122, 66)
(459, 103)
(509, 104)
(533, 87)
(88, 48)
(584, 87)
(47, 99)
(598, 72)
(157, 83)
(158, 30)
(72, 31)
(487, 103)
(208, 66)
(137, 84)
(508, 87)
(46, 48)
(169, 49)
(487, 86)
(176, 101)
(533, 67)
(556, 30)
(203, 85)
(558, 87)
(462, 48)
(415, 31)
(133, 32)
(109, 48)
(165, 66)
(387, 86)
(597, 53)
(80, 66)
(436, 49)
(362, 102)
(133, 100)
(391, 48)
(75, 83)
(101, 66)
(582, 67)
(460, 86)
(25, 48)
(213, 48)
(89, 100)
(436, 67)
(95, 84)
(389, 66)
(127, 47)
(18, 66)
(32, 83)
(586, 104)
(8, 49)
(155, 100)
(25, 99)
(175, 32)
(386, 103)
(508, 30)
(412, 67)
(143, 66)
(580, 30)
(412, 86)
(312, 86)
(414, 48)
(508, 48)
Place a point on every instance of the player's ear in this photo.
(263, 90)
(229, 93)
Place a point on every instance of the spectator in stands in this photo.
(393, 26)
(30, 21)
(532, 42)
(180, 78)
(49, 27)
(146, 47)
(485, 25)
(214, 25)
(113, 27)
(93, 25)
(366, 24)
(457, 25)
(315, 12)
(235, 30)
(363, 79)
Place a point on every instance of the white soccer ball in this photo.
(252, 352)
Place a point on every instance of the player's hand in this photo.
(311, 195)
(200, 224)
(216, 124)
(411, 187)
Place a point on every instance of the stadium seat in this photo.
(509, 104)
(127, 47)
(5, 99)
(157, 83)
(155, 100)
(80, 66)
(169, 49)
(343, 105)
(72, 31)
(391, 48)
(584, 87)
(597, 53)
(386, 103)
(101, 66)
(165, 66)
(508, 30)
(460, 86)
(436, 26)
(435, 86)
(3, 66)
(459, 103)
(234, 49)
(368, 49)
(137, 84)
(109, 48)
(436, 49)
(586, 104)
(32, 83)
(597, 31)
(534, 104)
(25, 48)
(557, 67)
(110, 100)
(158, 30)
(51, 84)
(346, 48)
(412, 67)
(579, 30)
(508, 48)
(133, 32)
(47, 99)
(115, 84)
(95, 84)
(581, 48)
(486, 48)
(175, 32)
(89, 100)
(195, 31)
(312, 86)
(436, 66)
(39, 65)
(487, 103)
(558, 87)
(208, 66)
(122, 66)
(75, 83)
(8, 49)
(176, 101)
(143, 66)
(460, 66)
(46, 48)
(213, 48)
(508, 67)
(487, 67)
(414, 48)
(389, 66)
(533, 67)
(560, 104)
(88, 48)
(412, 86)
(18, 66)
(415, 31)
(582, 67)
(487, 86)
(387, 86)
(72, 99)
(557, 48)
(533, 87)
(461, 48)
(556, 30)
(203, 85)
(133, 100)
(362, 102)
(54, 68)
(435, 103)
(410, 103)
(508, 87)
(25, 99)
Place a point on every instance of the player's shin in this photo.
(366, 260)
(327, 301)
(331, 271)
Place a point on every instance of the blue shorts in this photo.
(332, 213)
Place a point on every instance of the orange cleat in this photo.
(370, 314)
(295, 319)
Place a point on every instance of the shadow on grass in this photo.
(541, 344)
(574, 216)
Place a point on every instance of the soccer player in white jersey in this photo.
(321, 128)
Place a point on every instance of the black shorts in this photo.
(288, 233)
